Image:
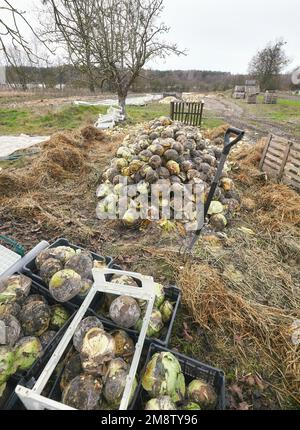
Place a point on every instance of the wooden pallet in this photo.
(251, 98)
(281, 161)
(187, 112)
(270, 99)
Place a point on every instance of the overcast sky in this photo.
(224, 34)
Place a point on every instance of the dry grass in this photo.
(90, 133)
(216, 132)
(278, 206)
(11, 183)
(247, 158)
(253, 328)
(50, 190)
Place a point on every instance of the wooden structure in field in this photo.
(251, 98)
(281, 161)
(187, 112)
(270, 98)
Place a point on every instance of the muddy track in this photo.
(237, 116)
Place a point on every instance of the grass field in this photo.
(285, 110)
(31, 121)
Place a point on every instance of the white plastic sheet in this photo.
(130, 101)
(10, 144)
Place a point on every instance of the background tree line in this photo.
(67, 76)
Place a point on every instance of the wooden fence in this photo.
(187, 112)
(281, 160)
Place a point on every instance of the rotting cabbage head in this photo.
(13, 330)
(65, 285)
(84, 326)
(27, 350)
(163, 376)
(202, 393)
(49, 268)
(61, 253)
(166, 311)
(125, 311)
(190, 406)
(14, 288)
(83, 393)
(162, 403)
(155, 324)
(124, 345)
(7, 364)
(59, 317)
(81, 263)
(97, 350)
(115, 366)
(35, 318)
(159, 294)
(47, 337)
(114, 388)
(72, 369)
(86, 287)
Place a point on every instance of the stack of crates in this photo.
(39, 389)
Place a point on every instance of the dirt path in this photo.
(238, 116)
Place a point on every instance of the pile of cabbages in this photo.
(27, 323)
(67, 272)
(96, 367)
(169, 153)
(167, 389)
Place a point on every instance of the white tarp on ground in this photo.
(10, 144)
(130, 101)
(112, 117)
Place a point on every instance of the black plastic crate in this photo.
(31, 270)
(192, 369)
(15, 379)
(54, 387)
(173, 294)
(9, 399)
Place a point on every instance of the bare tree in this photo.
(19, 70)
(69, 25)
(11, 36)
(267, 64)
(112, 39)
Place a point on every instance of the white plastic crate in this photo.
(33, 399)
(11, 263)
(7, 259)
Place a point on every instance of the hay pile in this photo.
(252, 328)
(278, 206)
(11, 183)
(50, 189)
(192, 97)
(61, 157)
(168, 100)
(91, 133)
(247, 158)
(217, 132)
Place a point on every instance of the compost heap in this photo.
(170, 153)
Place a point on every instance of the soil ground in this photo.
(282, 119)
